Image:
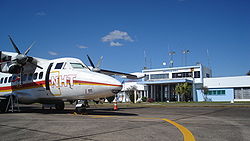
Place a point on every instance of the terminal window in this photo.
(146, 78)
(159, 76)
(216, 92)
(197, 74)
(184, 74)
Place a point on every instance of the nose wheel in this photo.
(81, 106)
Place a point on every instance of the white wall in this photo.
(227, 82)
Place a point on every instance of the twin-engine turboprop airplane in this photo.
(34, 80)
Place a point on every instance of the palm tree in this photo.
(183, 90)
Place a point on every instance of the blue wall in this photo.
(228, 96)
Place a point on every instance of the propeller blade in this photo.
(99, 62)
(14, 45)
(90, 61)
(27, 51)
(36, 65)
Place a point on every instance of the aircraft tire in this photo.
(80, 110)
(59, 106)
(3, 105)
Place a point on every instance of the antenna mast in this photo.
(145, 60)
(171, 62)
(208, 60)
(185, 52)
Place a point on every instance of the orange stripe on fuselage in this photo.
(39, 84)
(23, 86)
(94, 83)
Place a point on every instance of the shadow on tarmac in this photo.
(90, 111)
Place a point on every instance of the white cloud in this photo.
(115, 35)
(41, 13)
(53, 53)
(116, 44)
(81, 46)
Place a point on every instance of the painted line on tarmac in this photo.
(187, 135)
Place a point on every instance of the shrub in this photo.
(144, 99)
(151, 100)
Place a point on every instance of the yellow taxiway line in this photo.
(187, 135)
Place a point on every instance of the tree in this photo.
(184, 91)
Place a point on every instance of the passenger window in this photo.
(6, 79)
(1, 80)
(10, 78)
(30, 76)
(58, 65)
(24, 77)
(40, 75)
(35, 76)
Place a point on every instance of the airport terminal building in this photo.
(159, 84)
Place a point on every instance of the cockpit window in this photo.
(77, 66)
(58, 65)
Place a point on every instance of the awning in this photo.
(166, 81)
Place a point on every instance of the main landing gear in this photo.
(9, 103)
(4, 105)
(81, 106)
(60, 106)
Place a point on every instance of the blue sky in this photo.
(123, 31)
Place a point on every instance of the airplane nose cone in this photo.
(117, 86)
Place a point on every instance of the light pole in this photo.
(193, 86)
(171, 53)
(185, 52)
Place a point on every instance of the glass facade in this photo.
(159, 76)
(182, 75)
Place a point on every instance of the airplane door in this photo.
(55, 87)
(52, 80)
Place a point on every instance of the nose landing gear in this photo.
(81, 106)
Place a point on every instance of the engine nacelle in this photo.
(12, 68)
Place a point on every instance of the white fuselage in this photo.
(61, 79)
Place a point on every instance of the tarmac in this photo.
(173, 122)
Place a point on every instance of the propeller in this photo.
(90, 61)
(22, 59)
(99, 62)
(97, 68)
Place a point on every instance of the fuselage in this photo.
(62, 79)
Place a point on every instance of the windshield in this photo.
(77, 66)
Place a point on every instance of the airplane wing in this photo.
(109, 72)
(124, 75)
